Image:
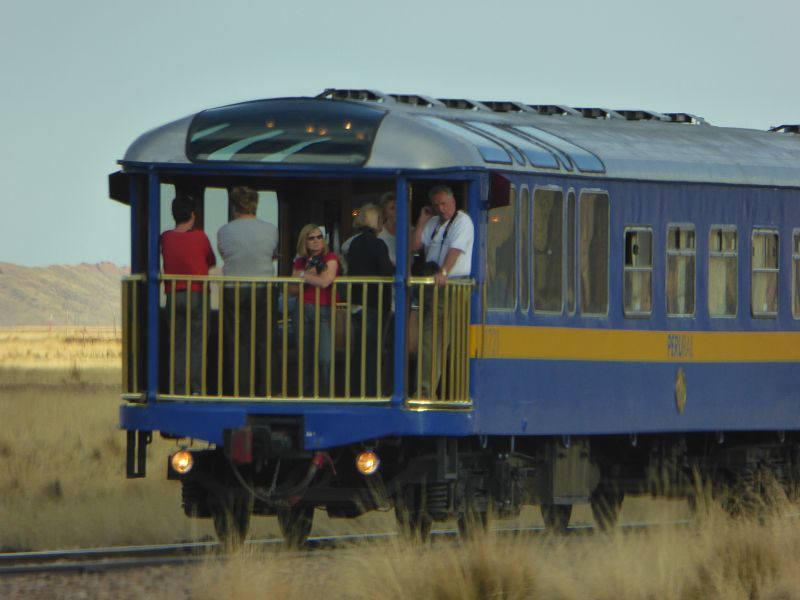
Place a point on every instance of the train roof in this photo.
(397, 131)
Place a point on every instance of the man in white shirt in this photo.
(447, 235)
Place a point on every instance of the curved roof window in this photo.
(293, 131)
(536, 154)
(583, 159)
(491, 151)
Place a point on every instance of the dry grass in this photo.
(62, 484)
(58, 347)
(717, 558)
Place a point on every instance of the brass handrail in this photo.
(244, 338)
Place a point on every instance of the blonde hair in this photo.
(302, 245)
(368, 215)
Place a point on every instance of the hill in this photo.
(74, 295)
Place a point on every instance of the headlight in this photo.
(367, 462)
(182, 461)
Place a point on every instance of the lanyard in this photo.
(444, 235)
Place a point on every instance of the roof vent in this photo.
(506, 106)
(785, 129)
(416, 100)
(599, 113)
(686, 118)
(463, 104)
(554, 109)
(643, 115)
(362, 95)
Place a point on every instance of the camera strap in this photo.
(444, 235)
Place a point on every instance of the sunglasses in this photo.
(314, 237)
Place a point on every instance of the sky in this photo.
(82, 80)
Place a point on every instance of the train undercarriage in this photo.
(263, 470)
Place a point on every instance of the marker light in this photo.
(367, 462)
(182, 461)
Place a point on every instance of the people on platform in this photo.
(186, 251)
(317, 266)
(247, 246)
(446, 235)
(368, 256)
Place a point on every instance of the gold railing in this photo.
(234, 338)
(131, 343)
(438, 327)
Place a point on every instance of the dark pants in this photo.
(370, 353)
(195, 329)
(434, 344)
(252, 343)
(316, 350)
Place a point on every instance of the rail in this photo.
(279, 339)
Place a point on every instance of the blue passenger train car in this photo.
(631, 323)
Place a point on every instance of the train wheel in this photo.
(412, 520)
(295, 523)
(606, 504)
(231, 517)
(556, 516)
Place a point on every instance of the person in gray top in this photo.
(247, 246)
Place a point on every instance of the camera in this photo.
(316, 262)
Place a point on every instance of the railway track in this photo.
(98, 560)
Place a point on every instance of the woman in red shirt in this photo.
(186, 251)
(318, 267)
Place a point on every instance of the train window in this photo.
(501, 264)
(680, 270)
(723, 267)
(166, 194)
(296, 131)
(583, 159)
(490, 150)
(638, 271)
(593, 223)
(570, 237)
(548, 268)
(764, 281)
(524, 254)
(796, 274)
(536, 154)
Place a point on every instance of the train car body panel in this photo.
(635, 276)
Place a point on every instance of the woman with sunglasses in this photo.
(318, 267)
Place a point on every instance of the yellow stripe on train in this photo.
(564, 343)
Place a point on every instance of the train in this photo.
(630, 325)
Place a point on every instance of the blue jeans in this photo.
(316, 351)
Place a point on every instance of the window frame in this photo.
(761, 230)
(560, 310)
(512, 199)
(571, 252)
(795, 273)
(722, 254)
(625, 269)
(579, 286)
(667, 253)
(524, 279)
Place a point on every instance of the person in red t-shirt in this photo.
(186, 251)
(318, 267)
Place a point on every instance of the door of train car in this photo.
(438, 317)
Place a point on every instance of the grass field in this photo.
(62, 484)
